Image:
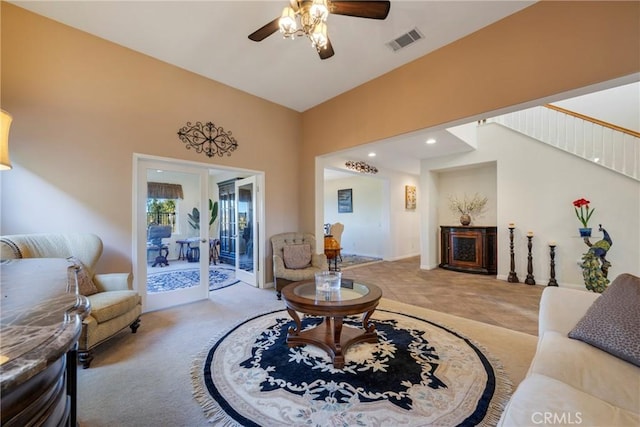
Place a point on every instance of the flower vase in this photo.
(585, 232)
(465, 219)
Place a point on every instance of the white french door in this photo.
(186, 235)
(247, 231)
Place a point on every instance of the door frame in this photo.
(200, 290)
(138, 252)
(251, 278)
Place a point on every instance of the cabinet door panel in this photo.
(468, 249)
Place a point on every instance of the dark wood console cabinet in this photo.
(469, 249)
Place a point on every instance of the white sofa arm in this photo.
(113, 281)
(562, 308)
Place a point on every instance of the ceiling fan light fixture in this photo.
(307, 18)
(319, 37)
(319, 10)
(287, 22)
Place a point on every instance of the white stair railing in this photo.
(608, 145)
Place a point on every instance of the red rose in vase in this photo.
(584, 214)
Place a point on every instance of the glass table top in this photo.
(308, 290)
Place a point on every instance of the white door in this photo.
(247, 242)
(181, 274)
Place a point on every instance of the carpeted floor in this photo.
(473, 296)
(418, 373)
(144, 379)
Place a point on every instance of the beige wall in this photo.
(546, 49)
(82, 106)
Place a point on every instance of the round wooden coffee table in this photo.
(329, 335)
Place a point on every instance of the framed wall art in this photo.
(345, 201)
(409, 197)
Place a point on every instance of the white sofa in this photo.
(570, 382)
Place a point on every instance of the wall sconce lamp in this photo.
(5, 124)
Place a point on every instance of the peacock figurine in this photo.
(595, 266)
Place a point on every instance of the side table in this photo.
(301, 297)
(182, 251)
(186, 251)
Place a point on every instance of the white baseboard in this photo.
(544, 281)
(398, 258)
(429, 266)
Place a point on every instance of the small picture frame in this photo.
(345, 201)
(409, 197)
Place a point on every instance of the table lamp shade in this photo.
(5, 124)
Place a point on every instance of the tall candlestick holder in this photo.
(552, 262)
(513, 277)
(529, 280)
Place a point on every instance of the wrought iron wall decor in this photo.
(361, 167)
(207, 138)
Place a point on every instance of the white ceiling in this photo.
(210, 38)
(401, 153)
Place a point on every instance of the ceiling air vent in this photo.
(405, 40)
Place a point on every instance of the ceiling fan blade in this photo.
(361, 9)
(265, 31)
(327, 52)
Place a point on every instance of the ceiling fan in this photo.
(308, 18)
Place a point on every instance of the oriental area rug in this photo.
(350, 260)
(163, 281)
(418, 374)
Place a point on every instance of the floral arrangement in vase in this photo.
(581, 207)
(467, 207)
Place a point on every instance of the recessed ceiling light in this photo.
(372, 154)
(431, 141)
